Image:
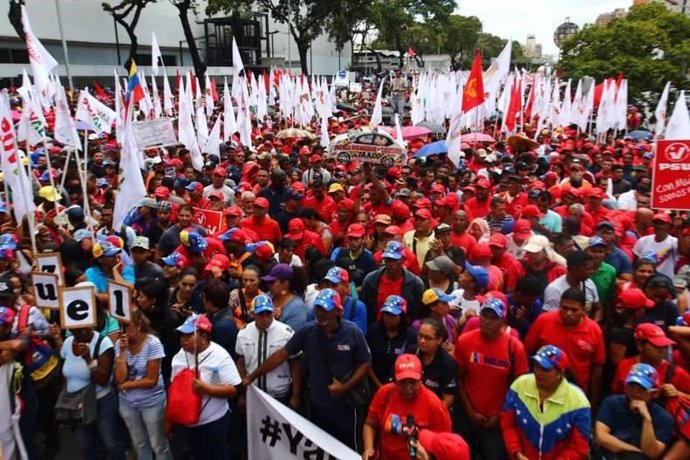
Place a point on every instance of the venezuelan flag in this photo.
(134, 88)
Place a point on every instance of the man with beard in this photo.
(218, 185)
(480, 204)
(576, 179)
(170, 239)
(276, 193)
(459, 236)
(355, 257)
(163, 212)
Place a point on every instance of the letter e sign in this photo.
(77, 307)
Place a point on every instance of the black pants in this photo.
(340, 421)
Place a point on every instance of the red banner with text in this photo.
(670, 175)
(212, 221)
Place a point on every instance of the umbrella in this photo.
(345, 107)
(476, 137)
(435, 128)
(408, 132)
(521, 143)
(435, 148)
(640, 134)
(294, 133)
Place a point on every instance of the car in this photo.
(367, 147)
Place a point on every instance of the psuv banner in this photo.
(276, 432)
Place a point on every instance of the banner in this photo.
(212, 221)
(154, 133)
(275, 432)
(670, 179)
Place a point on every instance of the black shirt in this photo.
(439, 375)
(385, 350)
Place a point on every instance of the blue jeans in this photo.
(107, 427)
(146, 429)
(209, 441)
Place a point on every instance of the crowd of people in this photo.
(530, 305)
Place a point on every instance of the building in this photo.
(531, 48)
(605, 18)
(96, 46)
(678, 6)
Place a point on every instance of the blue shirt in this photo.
(137, 368)
(337, 356)
(618, 260)
(96, 275)
(294, 313)
(357, 313)
(626, 425)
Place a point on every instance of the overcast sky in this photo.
(515, 19)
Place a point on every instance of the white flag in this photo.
(237, 65)
(324, 139)
(679, 123)
(453, 139)
(157, 109)
(130, 186)
(155, 54)
(65, 131)
(377, 112)
(120, 121)
(14, 174)
(276, 432)
(41, 61)
(229, 122)
(201, 126)
(96, 115)
(212, 146)
(398, 131)
(660, 113)
(31, 125)
(168, 103)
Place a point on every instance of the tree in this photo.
(306, 19)
(459, 38)
(120, 13)
(650, 46)
(183, 8)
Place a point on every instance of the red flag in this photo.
(192, 80)
(514, 106)
(473, 94)
(214, 89)
(178, 82)
(528, 105)
(411, 53)
(99, 91)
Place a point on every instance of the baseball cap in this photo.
(644, 375)
(596, 241)
(262, 303)
(408, 366)
(174, 259)
(596, 192)
(395, 305)
(164, 206)
(423, 213)
(337, 275)
(483, 183)
(532, 211)
(393, 230)
(195, 187)
(162, 193)
(498, 240)
(479, 251)
(218, 171)
(441, 228)
(233, 210)
(195, 322)
(537, 243)
(218, 195)
(393, 250)
(634, 298)
(495, 305)
(195, 242)
(335, 187)
(147, 202)
(551, 357)
(441, 264)
(6, 315)
(663, 217)
(295, 229)
(105, 248)
(423, 202)
(220, 261)
(522, 228)
(444, 446)
(235, 234)
(75, 212)
(328, 299)
(355, 231)
(279, 272)
(479, 274)
(261, 202)
(606, 224)
(346, 204)
(652, 334)
(263, 249)
(384, 219)
(82, 234)
(434, 295)
(141, 242)
(315, 158)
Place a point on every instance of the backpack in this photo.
(39, 359)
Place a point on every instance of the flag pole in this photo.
(64, 172)
(82, 174)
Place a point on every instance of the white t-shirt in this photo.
(628, 200)
(666, 252)
(294, 262)
(554, 291)
(215, 367)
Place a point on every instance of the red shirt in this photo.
(517, 271)
(267, 229)
(388, 405)
(584, 343)
(409, 260)
(599, 215)
(387, 287)
(478, 209)
(463, 240)
(514, 205)
(324, 208)
(680, 378)
(310, 239)
(486, 367)
(203, 203)
(506, 263)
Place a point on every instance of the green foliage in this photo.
(651, 45)
(459, 38)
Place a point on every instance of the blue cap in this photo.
(393, 250)
(45, 176)
(328, 299)
(195, 242)
(181, 182)
(551, 357)
(395, 305)
(479, 274)
(195, 322)
(644, 375)
(495, 305)
(337, 275)
(75, 212)
(106, 248)
(82, 234)
(262, 303)
(174, 259)
(596, 241)
(103, 183)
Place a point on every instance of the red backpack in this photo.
(184, 404)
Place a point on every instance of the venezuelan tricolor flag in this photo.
(134, 88)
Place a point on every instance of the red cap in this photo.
(264, 251)
(220, 171)
(400, 209)
(422, 203)
(444, 446)
(408, 366)
(346, 204)
(393, 230)
(437, 188)
(217, 195)
(634, 298)
(218, 261)
(233, 211)
(522, 228)
(596, 192)
(424, 213)
(498, 240)
(479, 251)
(653, 334)
(175, 162)
(261, 202)
(662, 216)
(532, 211)
(315, 158)
(304, 150)
(162, 193)
(355, 231)
(295, 229)
(483, 183)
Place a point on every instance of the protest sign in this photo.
(77, 307)
(46, 289)
(154, 133)
(51, 263)
(670, 178)
(276, 432)
(120, 299)
(212, 221)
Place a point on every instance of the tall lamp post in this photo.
(64, 46)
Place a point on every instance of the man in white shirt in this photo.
(662, 245)
(218, 185)
(580, 267)
(259, 340)
(399, 86)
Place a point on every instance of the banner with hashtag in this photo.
(276, 432)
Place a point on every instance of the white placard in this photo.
(120, 299)
(342, 78)
(50, 263)
(356, 87)
(46, 289)
(154, 133)
(77, 307)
